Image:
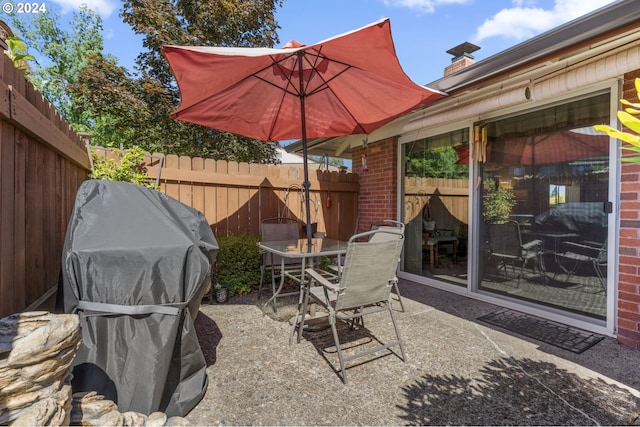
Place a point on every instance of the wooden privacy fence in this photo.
(42, 164)
(236, 197)
(447, 200)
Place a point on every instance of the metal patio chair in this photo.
(277, 229)
(387, 224)
(506, 248)
(579, 254)
(363, 288)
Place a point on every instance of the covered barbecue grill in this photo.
(135, 266)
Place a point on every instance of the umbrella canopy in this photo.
(557, 147)
(349, 84)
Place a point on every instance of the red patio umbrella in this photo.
(349, 84)
(557, 147)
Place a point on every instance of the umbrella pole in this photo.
(306, 184)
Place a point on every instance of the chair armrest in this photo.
(318, 277)
(532, 244)
(585, 248)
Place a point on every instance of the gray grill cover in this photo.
(135, 266)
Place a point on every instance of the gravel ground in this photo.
(459, 371)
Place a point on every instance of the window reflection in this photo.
(436, 199)
(543, 195)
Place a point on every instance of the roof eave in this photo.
(602, 21)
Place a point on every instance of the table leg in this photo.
(431, 256)
(455, 251)
(301, 301)
(277, 291)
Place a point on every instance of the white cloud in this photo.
(522, 22)
(104, 8)
(427, 6)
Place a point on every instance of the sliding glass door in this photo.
(544, 203)
(435, 206)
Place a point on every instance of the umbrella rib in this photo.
(325, 82)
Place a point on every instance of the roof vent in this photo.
(461, 57)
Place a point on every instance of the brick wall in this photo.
(629, 256)
(378, 185)
(458, 65)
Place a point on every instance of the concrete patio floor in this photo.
(460, 371)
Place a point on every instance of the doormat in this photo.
(559, 335)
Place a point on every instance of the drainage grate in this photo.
(559, 335)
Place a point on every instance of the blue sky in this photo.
(423, 30)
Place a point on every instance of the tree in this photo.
(66, 54)
(17, 52)
(439, 163)
(150, 96)
(124, 108)
(629, 119)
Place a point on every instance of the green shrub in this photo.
(238, 263)
(497, 203)
(129, 167)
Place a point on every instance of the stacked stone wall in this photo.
(36, 353)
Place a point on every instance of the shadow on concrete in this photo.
(518, 392)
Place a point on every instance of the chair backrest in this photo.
(505, 239)
(369, 268)
(387, 224)
(276, 229)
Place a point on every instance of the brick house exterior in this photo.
(596, 54)
(629, 250)
(378, 200)
(378, 197)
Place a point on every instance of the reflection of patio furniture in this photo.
(363, 288)
(551, 245)
(433, 246)
(578, 254)
(587, 219)
(278, 229)
(506, 247)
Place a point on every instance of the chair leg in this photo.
(262, 268)
(601, 276)
(357, 320)
(273, 291)
(395, 286)
(306, 290)
(395, 326)
(521, 271)
(300, 313)
(334, 329)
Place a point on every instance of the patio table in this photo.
(300, 249)
(556, 237)
(434, 242)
